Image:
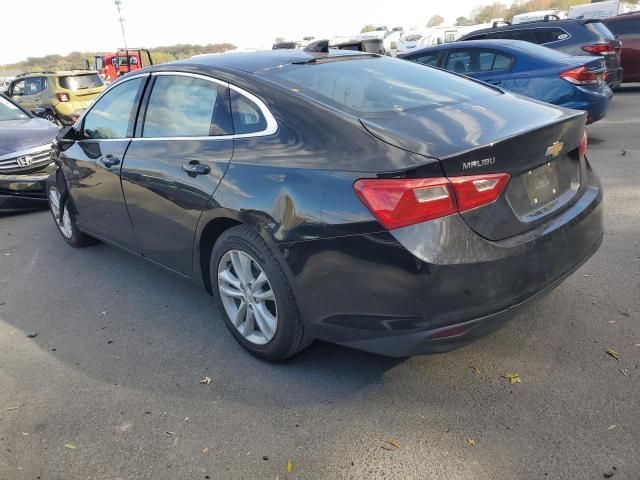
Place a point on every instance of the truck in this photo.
(124, 60)
(609, 8)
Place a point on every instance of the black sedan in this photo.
(25, 157)
(341, 196)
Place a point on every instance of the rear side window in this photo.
(430, 59)
(630, 26)
(477, 61)
(600, 29)
(524, 35)
(548, 35)
(35, 85)
(182, 106)
(375, 85)
(81, 82)
(111, 115)
(247, 116)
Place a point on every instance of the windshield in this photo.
(369, 84)
(81, 82)
(8, 111)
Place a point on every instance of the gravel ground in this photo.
(110, 386)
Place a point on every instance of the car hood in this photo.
(457, 128)
(16, 135)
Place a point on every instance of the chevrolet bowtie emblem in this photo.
(554, 150)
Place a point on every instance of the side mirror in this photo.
(39, 112)
(66, 137)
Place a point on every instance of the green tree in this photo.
(435, 21)
(368, 28)
(463, 22)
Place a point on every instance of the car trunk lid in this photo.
(537, 144)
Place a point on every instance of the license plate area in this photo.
(542, 190)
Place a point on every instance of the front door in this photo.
(92, 165)
(33, 91)
(182, 148)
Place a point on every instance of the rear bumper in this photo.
(596, 104)
(24, 192)
(400, 293)
(615, 76)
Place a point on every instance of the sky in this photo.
(61, 27)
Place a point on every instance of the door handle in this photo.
(494, 82)
(195, 168)
(109, 160)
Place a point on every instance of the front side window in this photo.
(18, 88)
(247, 116)
(35, 85)
(112, 114)
(376, 85)
(184, 106)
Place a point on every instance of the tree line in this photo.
(78, 59)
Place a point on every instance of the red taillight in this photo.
(582, 150)
(398, 202)
(580, 76)
(475, 191)
(600, 49)
(63, 97)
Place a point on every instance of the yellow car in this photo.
(62, 94)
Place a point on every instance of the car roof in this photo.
(252, 62)
(57, 73)
(564, 22)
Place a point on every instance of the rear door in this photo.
(93, 163)
(183, 145)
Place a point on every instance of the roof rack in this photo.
(34, 73)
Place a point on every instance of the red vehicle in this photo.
(125, 60)
(627, 28)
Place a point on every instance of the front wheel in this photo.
(67, 226)
(255, 297)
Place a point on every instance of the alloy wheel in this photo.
(54, 202)
(247, 297)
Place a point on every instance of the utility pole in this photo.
(121, 20)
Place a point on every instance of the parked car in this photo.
(342, 196)
(25, 157)
(627, 28)
(62, 94)
(528, 69)
(573, 37)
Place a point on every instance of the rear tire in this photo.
(53, 118)
(255, 297)
(68, 228)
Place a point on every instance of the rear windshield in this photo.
(600, 29)
(539, 51)
(81, 82)
(368, 84)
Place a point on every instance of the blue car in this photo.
(528, 69)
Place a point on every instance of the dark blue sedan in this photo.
(528, 69)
